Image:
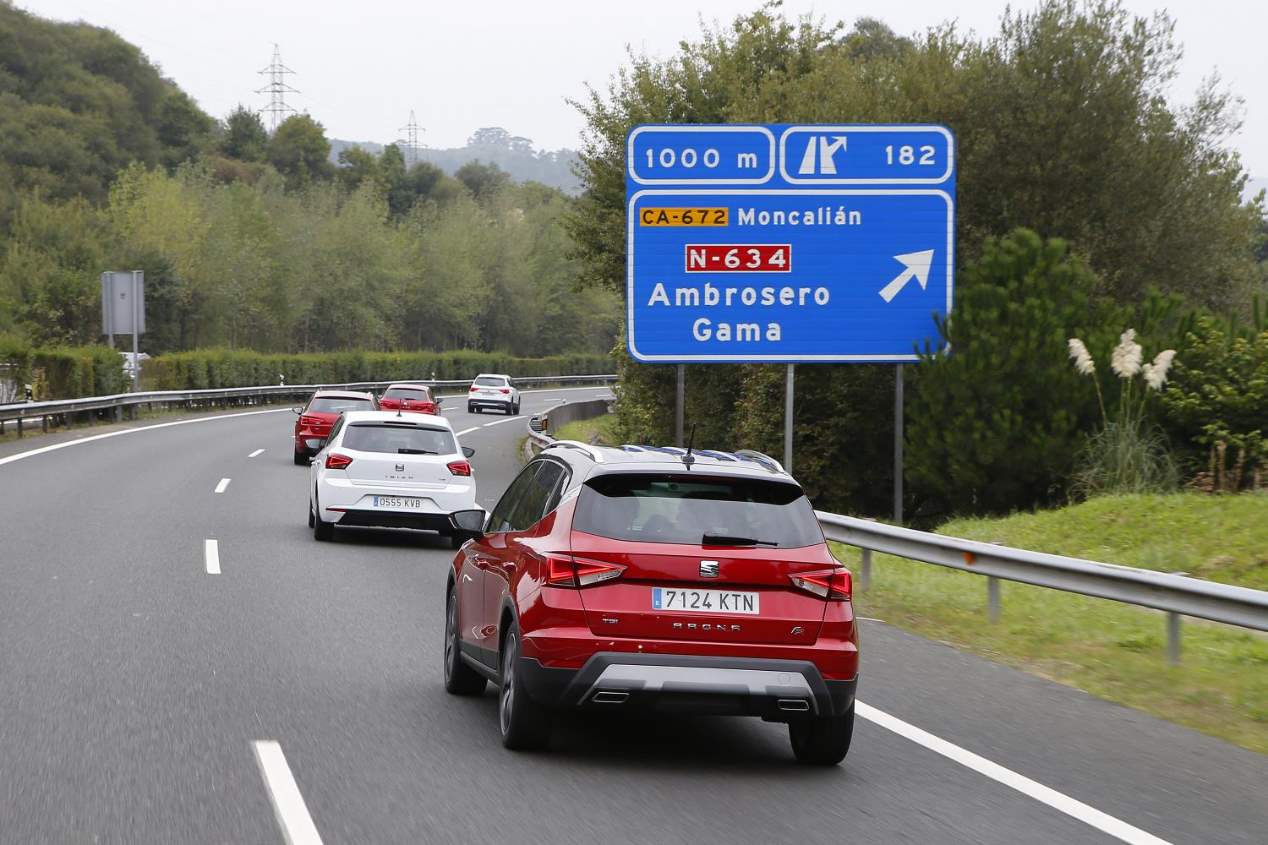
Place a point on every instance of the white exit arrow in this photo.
(917, 264)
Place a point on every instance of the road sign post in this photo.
(123, 312)
(788, 244)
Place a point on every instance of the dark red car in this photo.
(316, 418)
(646, 578)
(409, 397)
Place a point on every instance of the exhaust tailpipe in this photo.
(609, 697)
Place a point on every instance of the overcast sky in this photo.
(362, 66)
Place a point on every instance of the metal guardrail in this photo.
(23, 411)
(1176, 595)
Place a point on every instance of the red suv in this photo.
(409, 397)
(655, 579)
(315, 419)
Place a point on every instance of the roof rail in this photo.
(594, 453)
(761, 458)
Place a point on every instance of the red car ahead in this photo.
(316, 418)
(409, 397)
(655, 579)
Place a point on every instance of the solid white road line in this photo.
(255, 453)
(1045, 795)
(211, 553)
(220, 488)
(288, 804)
(507, 420)
(467, 430)
(43, 449)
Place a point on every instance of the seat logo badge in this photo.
(400, 467)
(708, 569)
(797, 629)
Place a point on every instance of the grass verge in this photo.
(1112, 651)
(599, 430)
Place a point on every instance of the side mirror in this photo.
(439, 400)
(298, 411)
(468, 524)
(467, 451)
(538, 422)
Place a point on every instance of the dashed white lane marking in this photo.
(211, 554)
(1103, 822)
(220, 488)
(255, 453)
(288, 804)
(499, 422)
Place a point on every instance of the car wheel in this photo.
(821, 740)
(301, 459)
(471, 409)
(525, 724)
(322, 530)
(310, 514)
(460, 679)
(517, 409)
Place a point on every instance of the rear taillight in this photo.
(462, 468)
(474, 389)
(834, 585)
(309, 421)
(566, 571)
(504, 390)
(337, 461)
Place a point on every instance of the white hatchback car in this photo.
(493, 390)
(382, 469)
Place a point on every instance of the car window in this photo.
(532, 505)
(672, 508)
(500, 519)
(418, 394)
(396, 438)
(333, 405)
(490, 381)
(336, 428)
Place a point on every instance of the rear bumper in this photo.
(491, 403)
(439, 522)
(776, 690)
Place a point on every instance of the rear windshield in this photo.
(399, 439)
(418, 394)
(333, 405)
(663, 508)
(490, 381)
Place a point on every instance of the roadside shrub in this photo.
(217, 368)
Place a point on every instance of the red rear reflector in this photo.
(462, 468)
(578, 572)
(504, 390)
(473, 389)
(337, 461)
(834, 585)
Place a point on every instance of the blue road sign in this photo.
(788, 243)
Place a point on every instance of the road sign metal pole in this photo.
(898, 444)
(680, 395)
(788, 418)
(136, 333)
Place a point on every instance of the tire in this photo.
(524, 723)
(821, 740)
(517, 409)
(322, 530)
(301, 459)
(460, 679)
(471, 409)
(311, 518)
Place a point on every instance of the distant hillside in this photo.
(514, 154)
(77, 103)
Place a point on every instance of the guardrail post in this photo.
(865, 570)
(19, 426)
(992, 598)
(1173, 638)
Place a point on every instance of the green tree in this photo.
(244, 135)
(482, 180)
(300, 152)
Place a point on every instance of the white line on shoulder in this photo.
(1045, 795)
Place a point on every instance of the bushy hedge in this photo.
(65, 372)
(215, 368)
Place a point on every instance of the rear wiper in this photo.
(726, 540)
(415, 452)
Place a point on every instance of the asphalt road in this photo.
(135, 687)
